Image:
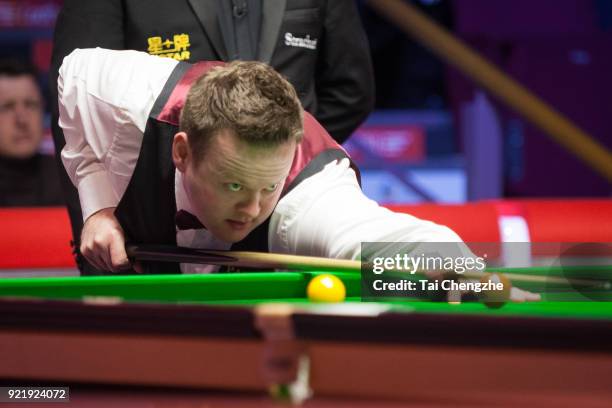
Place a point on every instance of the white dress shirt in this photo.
(105, 98)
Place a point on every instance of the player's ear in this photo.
(181, 153)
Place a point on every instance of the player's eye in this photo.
(234, 187)
(272, 187)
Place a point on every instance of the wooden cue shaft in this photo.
(515, 277)
(300, 262)
(272, 260)
(307, 262)
(239, 258)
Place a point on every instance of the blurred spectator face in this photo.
(21, 116)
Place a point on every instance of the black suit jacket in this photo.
(334, 80)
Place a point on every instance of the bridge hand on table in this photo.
(520, 295)
(515, 295)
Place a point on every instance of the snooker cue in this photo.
(168, 253)
(247, 259)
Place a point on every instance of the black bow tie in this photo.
(185, 220)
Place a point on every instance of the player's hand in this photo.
(516, 295)
(520, 295)
(103, 241)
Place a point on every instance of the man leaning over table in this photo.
(211, 155)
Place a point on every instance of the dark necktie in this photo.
(185, 220)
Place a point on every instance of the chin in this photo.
(231, 237)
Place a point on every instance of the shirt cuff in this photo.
(96, 193)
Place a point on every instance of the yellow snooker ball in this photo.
(326, 288)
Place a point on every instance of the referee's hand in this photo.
(103, 242)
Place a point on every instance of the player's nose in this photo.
(251, 206)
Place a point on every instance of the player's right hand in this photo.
(103, 241)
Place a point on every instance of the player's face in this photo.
(21, 118)
(236, 186)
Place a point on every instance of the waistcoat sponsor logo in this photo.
(177, 47)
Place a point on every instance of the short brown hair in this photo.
(246, 97)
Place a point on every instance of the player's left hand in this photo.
(516, 295)
(519, 295)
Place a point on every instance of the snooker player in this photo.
(211, 156)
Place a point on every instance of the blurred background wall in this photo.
(435, 136)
